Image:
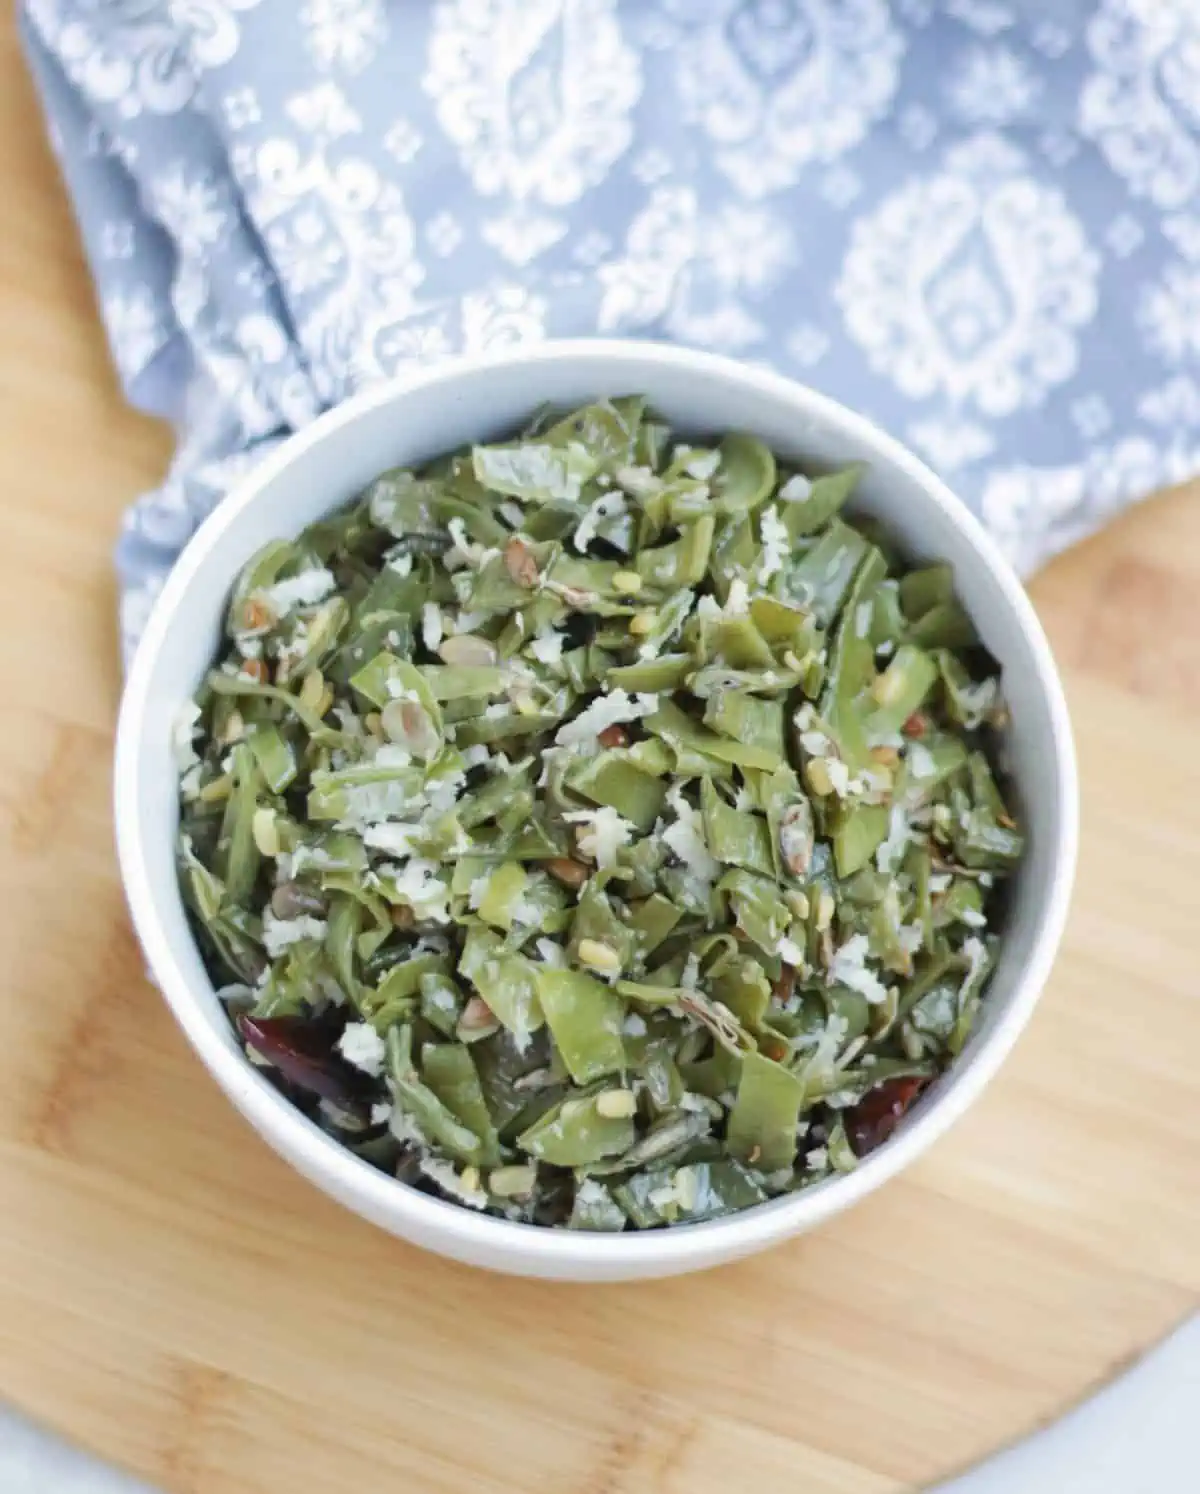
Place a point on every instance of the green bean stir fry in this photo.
(597, 829)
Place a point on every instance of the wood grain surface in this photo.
(174, 1298)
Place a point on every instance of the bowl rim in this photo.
(462, 1232)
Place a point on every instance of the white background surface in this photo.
(1138, 1436)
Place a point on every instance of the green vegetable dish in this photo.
(595, 829)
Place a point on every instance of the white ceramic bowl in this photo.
(476, 399)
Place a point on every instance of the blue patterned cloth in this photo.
(976, 220)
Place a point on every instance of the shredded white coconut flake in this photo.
(921, 761)
(305, 590)
(910, 936)
(432, 629)
(441, 793)
(441, 998)
(381, 1112)
(281, 933)
(392, 838)
(776, 544)
(547, 646)
(464, 551)
(891, 852)
(550, 953)
(839, 776)
(609, 506)
(362, 1046)
(790, 952)
(371, 803)
(816, 743)
(418, 885)
(401, 564)
(737, 604)
(686, 838)
(634, 1026)
(796, 489)
(603, 835)
(849, 968)
(606, 710)
(391, 755)
(976, 955)
(465, 622)
(702, 465)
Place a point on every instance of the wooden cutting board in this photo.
(174, 1298)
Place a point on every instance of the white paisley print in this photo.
(1141, 104)
(776, 84)
(978, 221)
(537, 96)
(343, 34)
(140, 56)
(339, 234)
(972, 282)
(698, 274)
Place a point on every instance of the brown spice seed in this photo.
(574, 596)
(569, 873)
(257, 670)
(796, 838)
(916, 725)
(520, 564)
(256, 615)
(614, 736)
(477, 1016)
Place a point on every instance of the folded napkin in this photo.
(978, 221)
